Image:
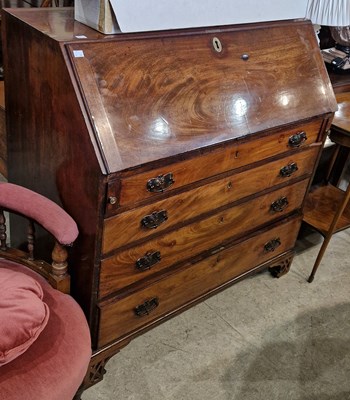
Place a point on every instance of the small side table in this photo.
(326, 207)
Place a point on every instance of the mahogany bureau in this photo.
(184, 156)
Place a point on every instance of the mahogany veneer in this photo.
(185, 167)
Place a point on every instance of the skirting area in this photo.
(263, 338)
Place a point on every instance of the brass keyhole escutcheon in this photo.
(217, 45)
(112, 200)
(229, 185)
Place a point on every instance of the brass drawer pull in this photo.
(272, 245)
(279, 205)
(147, 307)
(155, 219)
(297, 140)
(288, 170)
(148, 260)
(159, 184)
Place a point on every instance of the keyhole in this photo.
(217, 45)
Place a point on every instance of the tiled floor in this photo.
(263, 338)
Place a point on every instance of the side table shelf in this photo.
(322, 204)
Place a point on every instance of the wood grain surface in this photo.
(126, 228)
(119, 271)
(118, 317)
(182, 95)
(231, 156)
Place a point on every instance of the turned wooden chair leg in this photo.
(3, 236)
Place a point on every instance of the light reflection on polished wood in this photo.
(182, 95)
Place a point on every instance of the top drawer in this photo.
(151, 183)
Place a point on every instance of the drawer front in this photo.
(151, 183)
(139, 262)
(120, 317)
(129, 226)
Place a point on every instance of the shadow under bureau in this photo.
(184, 156)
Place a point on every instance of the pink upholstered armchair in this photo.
(45, 344)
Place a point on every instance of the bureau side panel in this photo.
(50, 150)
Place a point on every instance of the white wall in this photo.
(139, 15)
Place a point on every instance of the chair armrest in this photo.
(40, 209)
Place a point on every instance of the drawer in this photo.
(139, 262)
(129, 226)
(150, 184)
(119, 318)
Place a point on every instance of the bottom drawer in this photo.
(120, 317)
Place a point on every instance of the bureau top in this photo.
(342, 117)
(156, 95)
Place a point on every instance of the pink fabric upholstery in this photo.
(44, 211)
(54, 365)
(23, 314)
